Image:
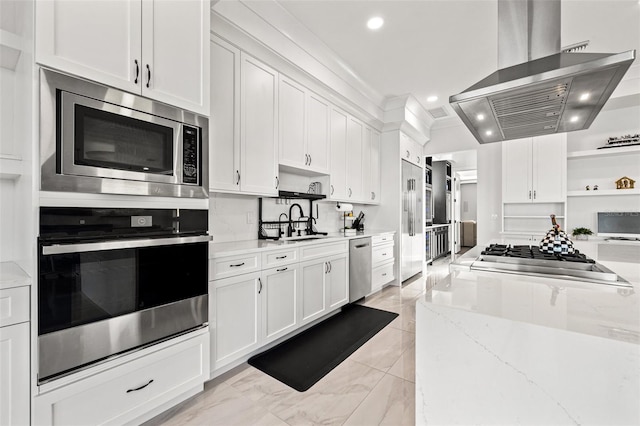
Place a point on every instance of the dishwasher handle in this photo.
(361, 245)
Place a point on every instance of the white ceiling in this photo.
(441, 47)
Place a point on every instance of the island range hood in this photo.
(538, 89)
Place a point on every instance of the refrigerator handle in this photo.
(412, 208)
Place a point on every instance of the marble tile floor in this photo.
(374, 386)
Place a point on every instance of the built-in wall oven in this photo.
(99, 139)
(112, 280)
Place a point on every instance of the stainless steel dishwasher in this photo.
(359, 268)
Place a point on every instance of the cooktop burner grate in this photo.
(529, 252)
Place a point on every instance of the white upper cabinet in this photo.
(355, 138)
(175, 52)
(534, 169)
(338, 137)
(375, 167)
(159, 49)
(371, 166)
(258, 127)
(292, 116)
(224, 129)
(410, 150)
(318, 110)
(304, 128)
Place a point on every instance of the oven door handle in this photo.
(126, 244)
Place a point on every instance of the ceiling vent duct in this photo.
(439, 112)
(538, 89)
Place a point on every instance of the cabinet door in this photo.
(235, 313)
(549, 168)
(375, 167)
(516, 171)
(97, 40)
(14, 370)
(313, 298)
(366, 165)
(338, 282)
(318, 133)
(175, 53)
(279, 301)
(259, 127)
(338, 178)
(224, 129)
(355, 136)
(406, 148)
(292, 116)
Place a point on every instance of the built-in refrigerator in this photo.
(412, 238)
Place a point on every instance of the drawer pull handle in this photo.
(280, 270)
(384, 254)
(260, 282)
(141, 387)
(281, 257)
(384, 275)
(239, 264)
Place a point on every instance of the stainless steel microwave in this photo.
(98, 139)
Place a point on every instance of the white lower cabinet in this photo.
(338, 281)
(131, 392)
(382, 261)
(14, 374)
(279, 301)
(234, 315)
(313, 301)
(250, 310)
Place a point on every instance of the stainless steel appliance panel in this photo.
(359, 268)
(411, 239)
(60, 171)
(70, 349)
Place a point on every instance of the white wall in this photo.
(234, 217)
(469, 201)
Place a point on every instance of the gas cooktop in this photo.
(529, 260)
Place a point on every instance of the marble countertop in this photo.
(231, 248)
(499, 348)
(12, 275)
(601, 310)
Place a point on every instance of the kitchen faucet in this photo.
(290, 228)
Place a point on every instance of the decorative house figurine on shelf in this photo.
(625, 183)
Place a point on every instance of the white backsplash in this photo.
(235, 217)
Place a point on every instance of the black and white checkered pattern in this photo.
(556, 244)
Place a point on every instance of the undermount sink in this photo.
(296, 239)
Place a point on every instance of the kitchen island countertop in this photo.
(503, 348)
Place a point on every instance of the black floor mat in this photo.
(307, 357)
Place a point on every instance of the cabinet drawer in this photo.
(275, 258)
(382, 275)
(127, 392)
(14, 305)
(229, 266)
(323, 250)
(381, 239)
(382, 253)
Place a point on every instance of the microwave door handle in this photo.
(117, 245)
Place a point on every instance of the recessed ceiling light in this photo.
(574, 118)
(584, 96)
(432, 98)
(375, 23)
(488, 133)
(480, 117)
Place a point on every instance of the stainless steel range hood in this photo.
(538, 90)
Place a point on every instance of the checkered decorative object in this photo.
(554, 243)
